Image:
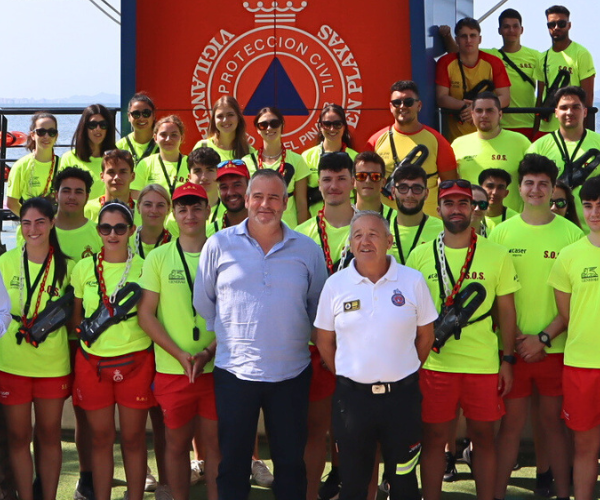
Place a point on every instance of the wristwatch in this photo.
(544, 338)
(509, 358)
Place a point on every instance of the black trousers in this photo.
(360, 421)
(285, 407)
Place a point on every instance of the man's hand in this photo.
(505, 378)
(530, 348)
(199, 361)
(465, 113)
(186, 360)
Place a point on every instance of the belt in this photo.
(379, 387)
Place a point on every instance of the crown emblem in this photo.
(283, 13)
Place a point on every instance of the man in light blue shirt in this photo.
(258, 287)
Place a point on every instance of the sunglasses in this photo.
(553, 24)
(483, 204)
(408, 102)
(559, 202)
(236, 163)
(92, 125)
(146, 113)
(274, 123)
(106, 229)
(41, 132)
(336, 124)
(405, 188)
(363, 176)
(461, 183)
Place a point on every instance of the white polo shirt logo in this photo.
(353, 305)
(398, 299)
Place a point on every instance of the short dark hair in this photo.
(509, 14)
(74, 172)
(558, 9)
(533, 163)
(570, 90)
(370, 157)
(204, 156)
(467, 22)
(402, 85)
(114, 155)
(487, 95)
(189, 200)
(494, 172)
(590, 191)
(336, 162)
(268, 174)
(410, 173)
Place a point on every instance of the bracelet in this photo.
(210, 353)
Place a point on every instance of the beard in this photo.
(456, 227)
(235, 207)
(410, 211)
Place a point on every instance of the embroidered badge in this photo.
(117, 376)
(353, 305)
(398, 299)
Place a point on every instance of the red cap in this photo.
(190, 189)
(238, 168)
(455, 189)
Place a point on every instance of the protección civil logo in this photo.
(275, 62)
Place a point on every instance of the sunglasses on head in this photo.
(559, 202)
(405, 188)
(336, 124)
(92, 125)
(146, 113)
(363, 176)
(120, 229)
(41, 132)
(483, 204)
(264, 125)
(237, 163)
(553, 24)
(462, 183)
(408, 102)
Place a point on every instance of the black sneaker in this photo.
(83, 492)
(37, 489)
(543, 484)
(330, 489)
(450, 474)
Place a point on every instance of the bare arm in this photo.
(424, 341)
(529, 346)
(149, 323)
(563, 302)
(503, 94)
(13, 205)
(445, 32)
(327, 347)
(507, 320)
(301, 195)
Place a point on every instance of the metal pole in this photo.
(492, 10)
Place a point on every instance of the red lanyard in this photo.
(281, 168)
(50, 177)
(30, 290)
(464, 270)
(225, 221)
(102, 283)
(326, 249)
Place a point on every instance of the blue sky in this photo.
(75, 48)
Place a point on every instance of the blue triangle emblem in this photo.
(276, 89)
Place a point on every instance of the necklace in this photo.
(109, 301)
(281, 168)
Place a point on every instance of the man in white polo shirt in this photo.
(377, 397)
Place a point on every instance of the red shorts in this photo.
(322, 384)
(546, 375)
(101, 382)
(477, 394)
(18, 389)
(181, 401)
(581, 393)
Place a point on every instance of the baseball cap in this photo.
(190, 189)
(235, 167)
(455, 186)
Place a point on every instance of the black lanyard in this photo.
(503, 214)
(562, 147)
(149, 150)
(519, 71)
(188, 278)
(415, 241)
(158, 242)
(30, 289)
(164, 169)
(213, 217)
(462, 75)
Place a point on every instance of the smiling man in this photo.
(377, 397)
(490, 146)
(394, 142)
(257, 287)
